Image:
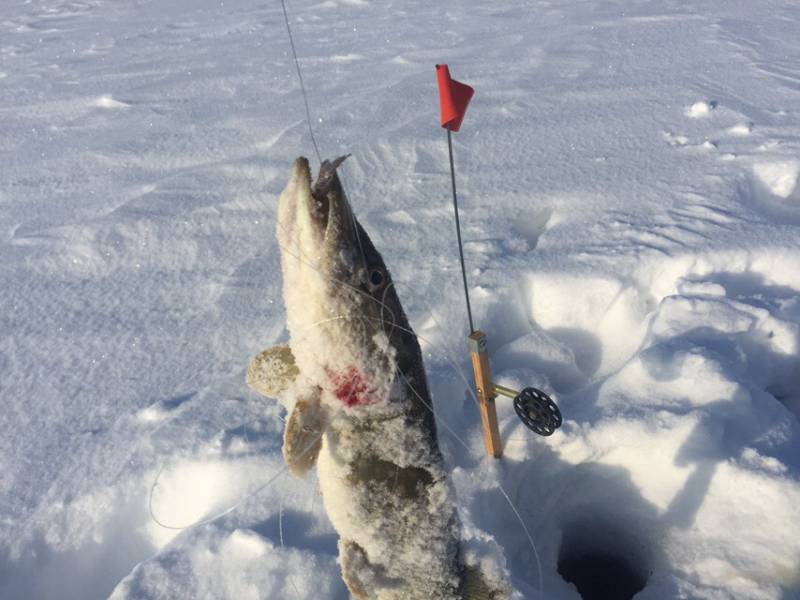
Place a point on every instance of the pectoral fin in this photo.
(303, 436)
(272, 371)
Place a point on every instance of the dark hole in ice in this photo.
(600, 577)
(603, 561)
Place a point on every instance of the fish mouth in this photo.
(315, 216)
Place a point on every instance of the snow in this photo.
(628, 179)
(780, 177)
(700, 110)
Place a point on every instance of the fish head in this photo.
(347, 328)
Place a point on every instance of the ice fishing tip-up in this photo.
(534, 408)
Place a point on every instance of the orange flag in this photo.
(453, 98)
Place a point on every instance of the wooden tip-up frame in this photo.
(487, 392)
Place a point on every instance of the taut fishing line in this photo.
(308, 116)
(280, 536)
(300, 79)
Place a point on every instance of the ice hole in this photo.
(604, 560)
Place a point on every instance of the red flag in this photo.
(453, 98)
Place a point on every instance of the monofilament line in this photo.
(300, 79)
(308, 112)
(458, 227)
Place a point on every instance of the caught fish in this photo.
(360, 407)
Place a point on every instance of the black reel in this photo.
(538, 411)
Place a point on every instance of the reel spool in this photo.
(533, 407)
(537, 411)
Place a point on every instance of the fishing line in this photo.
(314, 494)
(280, 536)
(312, 264)
(300, 78)
(356, 227)
(308, 121)
(231, 508)
(212, 518)
(392, 324)
(499, 485)
(383, 305)
(244, 498)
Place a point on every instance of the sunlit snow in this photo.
(628, 178)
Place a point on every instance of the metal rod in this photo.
(499, 389)
(458, 228)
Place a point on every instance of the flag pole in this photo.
(478, 346)
(458, 228)
(534, 408)
(454, 97)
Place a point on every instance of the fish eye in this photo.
(376, 277)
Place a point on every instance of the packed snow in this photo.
(628, 175)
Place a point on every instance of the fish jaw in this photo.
(300, 238)
(299, 234)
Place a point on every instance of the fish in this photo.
(353, 377)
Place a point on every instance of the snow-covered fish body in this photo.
(360, 403)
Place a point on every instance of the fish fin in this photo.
(302, 438)
(474, 586)
(354, 563)
(272, 371)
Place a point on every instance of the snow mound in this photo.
(700, 110)
(779, 177)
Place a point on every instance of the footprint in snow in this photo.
(740, 129)
(701, 110)
(161, 409)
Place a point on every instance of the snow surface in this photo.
(628, 175)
